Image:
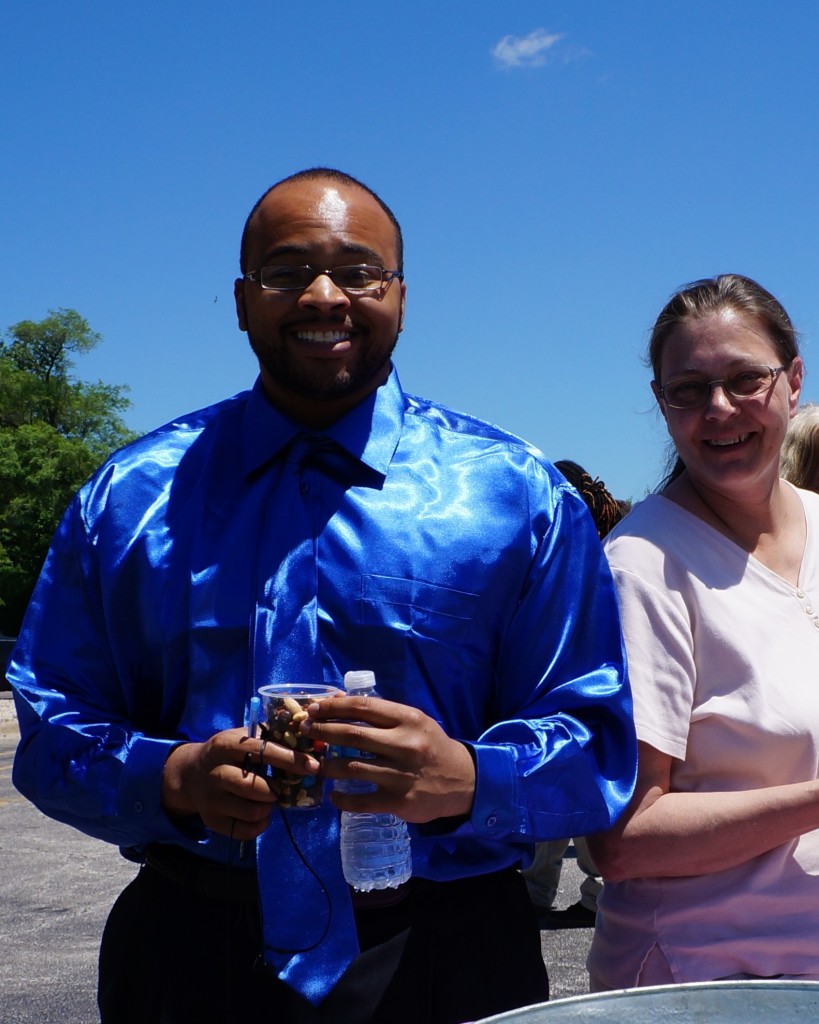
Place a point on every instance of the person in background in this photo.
(713, 871)
(543, 875)
(320, 522)
(799, 462)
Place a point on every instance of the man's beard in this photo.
(321, 380)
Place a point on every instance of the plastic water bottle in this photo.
(375, 848)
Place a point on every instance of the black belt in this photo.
(228, 884)
(206, 878)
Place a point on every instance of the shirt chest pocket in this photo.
(411, 620)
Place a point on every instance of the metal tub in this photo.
(710, 1002)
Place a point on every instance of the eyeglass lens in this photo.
(360, 277)
(689, 393)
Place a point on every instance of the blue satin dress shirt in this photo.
(441, 552)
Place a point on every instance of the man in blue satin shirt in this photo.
(320, 522)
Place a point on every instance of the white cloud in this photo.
(525, 51)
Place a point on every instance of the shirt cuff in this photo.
(140, 793)
(494, 810)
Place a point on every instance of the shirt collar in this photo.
(370, 432)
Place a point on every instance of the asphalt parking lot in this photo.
(57, 885)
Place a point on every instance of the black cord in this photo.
(311, 870)
(322, 886)
(228, 925)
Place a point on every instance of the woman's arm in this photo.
(665, 834)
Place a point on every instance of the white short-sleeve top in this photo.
(724, 664)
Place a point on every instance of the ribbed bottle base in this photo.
(375, 851)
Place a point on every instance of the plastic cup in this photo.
(283, 707)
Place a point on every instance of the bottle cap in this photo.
(362, 679)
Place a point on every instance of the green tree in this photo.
(54, 431)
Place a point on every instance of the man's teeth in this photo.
(323, 336)
(729, 441)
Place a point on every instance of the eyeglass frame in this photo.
(386, 277)
(723, 382)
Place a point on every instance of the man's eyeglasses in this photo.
(359, 278)
(692, 393)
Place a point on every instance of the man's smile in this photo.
(323, 337)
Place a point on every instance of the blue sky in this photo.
(558, 169)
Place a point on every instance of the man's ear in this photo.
(241, 306)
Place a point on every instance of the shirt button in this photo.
(139, 806)
(492, 821)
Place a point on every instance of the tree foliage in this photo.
(54, 431)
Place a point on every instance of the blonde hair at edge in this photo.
(799, 461)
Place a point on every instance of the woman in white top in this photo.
(713, 871)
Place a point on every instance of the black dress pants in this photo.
(448, 953)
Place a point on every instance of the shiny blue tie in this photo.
(308, 925)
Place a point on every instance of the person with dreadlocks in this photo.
(606, 510)
(543, 875)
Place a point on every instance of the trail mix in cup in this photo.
(284, 714)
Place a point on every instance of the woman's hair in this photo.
(710, 297)
(799, 461)
(605, 509)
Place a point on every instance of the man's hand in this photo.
(217, 780)
(420, 773)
